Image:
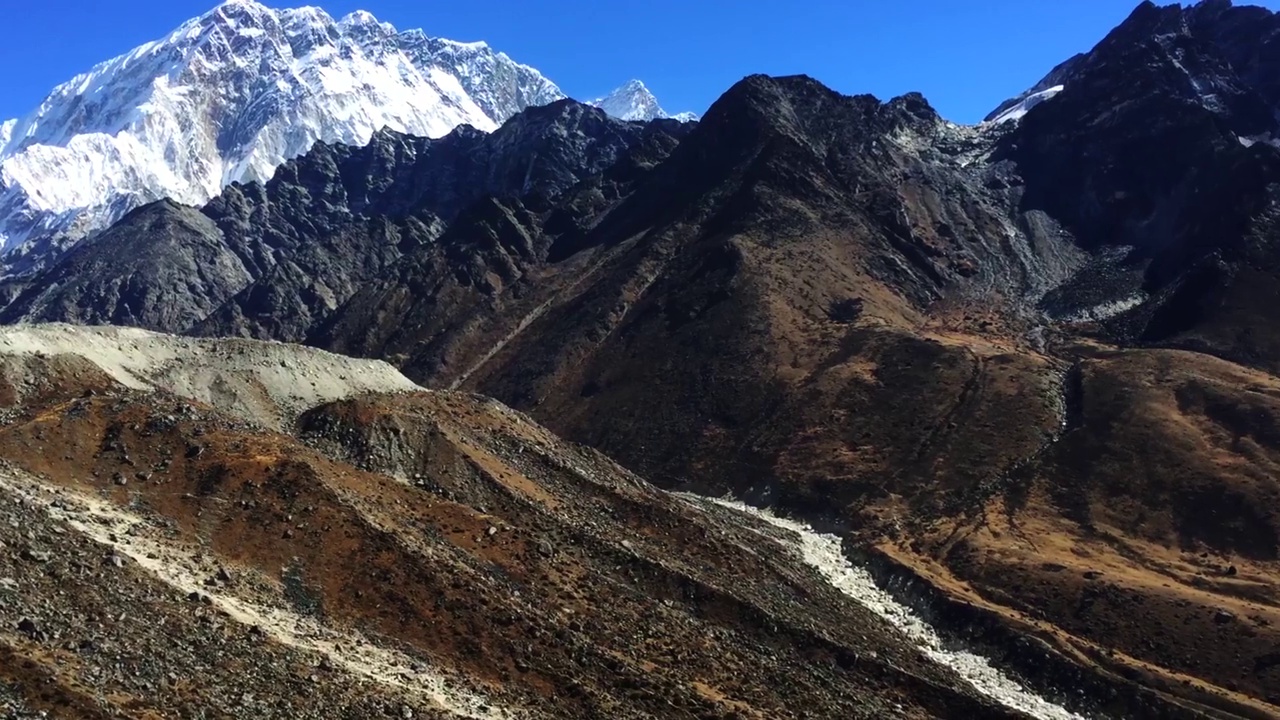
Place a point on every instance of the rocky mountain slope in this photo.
(368, 548)
(1025, 368)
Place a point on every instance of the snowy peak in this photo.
(249, 5)
(634, 101)
(227, 97)
(1222, 57)
(230, 17)
(1019, 109)
(229, 8)
(495, 82)
(362, 18)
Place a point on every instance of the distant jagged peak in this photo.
(359, 17)
(363, 22)
(231, 6)
(251, 5)
(634, 101)
(247, 13)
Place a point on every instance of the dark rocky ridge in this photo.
(323, 226)
(163, 265)
(1098, 156)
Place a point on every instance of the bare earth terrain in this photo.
(164, 558)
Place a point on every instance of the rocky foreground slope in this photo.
(181, 537)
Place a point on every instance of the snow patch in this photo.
(475, 45)
(1204, 89)
(825, 553)
(1018, 111)
(633, 101)
(1106, 310)
(1264, 139)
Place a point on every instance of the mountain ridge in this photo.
(142, 126)
(328, 222)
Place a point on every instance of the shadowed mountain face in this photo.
(280, 257)
(1161, 148)
(1028, 363)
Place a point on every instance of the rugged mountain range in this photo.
(227, 97)
(274, 260)
(1027, 368)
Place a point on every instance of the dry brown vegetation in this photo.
(473, 543)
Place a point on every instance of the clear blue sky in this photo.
(965, 56)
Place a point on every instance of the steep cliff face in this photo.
(1171, 170)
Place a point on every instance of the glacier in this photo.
(225, 98)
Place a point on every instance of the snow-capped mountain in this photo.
(227, 97)
(634, 101)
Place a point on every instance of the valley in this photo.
(487, 545)
(813, 405)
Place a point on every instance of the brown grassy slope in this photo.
(732, 378)
(553, 581)
(1147, 536)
